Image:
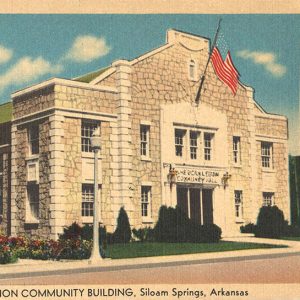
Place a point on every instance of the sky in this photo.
(264, 49)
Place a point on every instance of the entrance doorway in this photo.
(196, 203)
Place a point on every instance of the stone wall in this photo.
(84, 99)
(33, 102)
(271, 127)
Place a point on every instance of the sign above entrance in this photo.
(198, 175)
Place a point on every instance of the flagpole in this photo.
(209, 56)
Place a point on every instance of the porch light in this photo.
(225, 179)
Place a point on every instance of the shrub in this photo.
(144, 234)
(270, 222)
(174, 226)
(248, 228)
(291, 230)
(122, 233)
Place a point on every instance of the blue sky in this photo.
(264, 48)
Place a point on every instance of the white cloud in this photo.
(87, 48)
(26, 70)
(5, 54)
(266, 59)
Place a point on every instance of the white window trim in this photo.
(198, 139)
(29, 217)
(240, 218)
(88, 121)
(148, 128)
(212, 146)
(30, 154)
(238, 163)
(147, 219)
(189, 64)
(184, 143)
(271, 167)
(272, 198)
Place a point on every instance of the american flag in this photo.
(225, 70)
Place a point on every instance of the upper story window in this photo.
(194, 144)
(33, 201)
(266, 154)
(238, 200)
(144, 135)
(87, 130)
(5, 134)
(208, 137)
(33, 138)
(179, 141)
(1, 163)
(268, 199)
(87, 204)
(192, 70)
(236, 142)
(146, 201)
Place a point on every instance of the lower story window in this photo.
(146, 201)
(87, 208)
(268, 199)
(238, 199)
(33, 200)
(1, 196)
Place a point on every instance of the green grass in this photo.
(138, 249)
(290, 238)
(90, 76)
(5, 112)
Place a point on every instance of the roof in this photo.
(6, 112)
(90, 76)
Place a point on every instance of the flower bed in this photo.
(12, 248)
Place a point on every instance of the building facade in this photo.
(220, 159)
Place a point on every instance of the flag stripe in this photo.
(225, 70)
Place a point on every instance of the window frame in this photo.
(179, 141)
(194, 141)
(238, 204)
(146, 202)
(33, 141)
(236, 149)
(208, 150)
(33, 214)
(87, 211)
(145, 143)
(87, 129)
(268, 196)
(266, 153)
(192, 69)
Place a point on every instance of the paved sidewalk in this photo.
(28, 268)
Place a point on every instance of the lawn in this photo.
(138, 249)
(291, 238)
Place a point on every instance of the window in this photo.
(268, 199)
(208, 146)
(1, 163)
(1, 195)
(236, 141)
(5, 134)
(146, 201)
(33, 137)
(192, 69)
(179, 136)
(87, 130)
(33, 200)
(193, 144)
(87, 208)
(266, 154)
(144, 132)
(238, 200)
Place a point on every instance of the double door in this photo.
(196, 203)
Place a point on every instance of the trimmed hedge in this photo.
(174, 226)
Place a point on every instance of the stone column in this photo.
(57, 176)
(14, 182)
(121, 146)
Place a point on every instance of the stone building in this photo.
(219, 160)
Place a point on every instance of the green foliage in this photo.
(270, 222)
(248, 228)
(122, 233)
(174, 226)
(144, 234)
